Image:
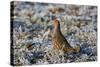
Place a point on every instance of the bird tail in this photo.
(71, 49)
(77, 49)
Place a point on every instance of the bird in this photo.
(59, 41)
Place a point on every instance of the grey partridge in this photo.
(58, 40)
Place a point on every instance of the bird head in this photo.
(56, 23)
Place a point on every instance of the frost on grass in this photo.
(33, 26)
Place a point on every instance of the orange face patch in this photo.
(56, 23)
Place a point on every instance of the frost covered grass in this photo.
(32, 30)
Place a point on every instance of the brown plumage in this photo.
(58, 40)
